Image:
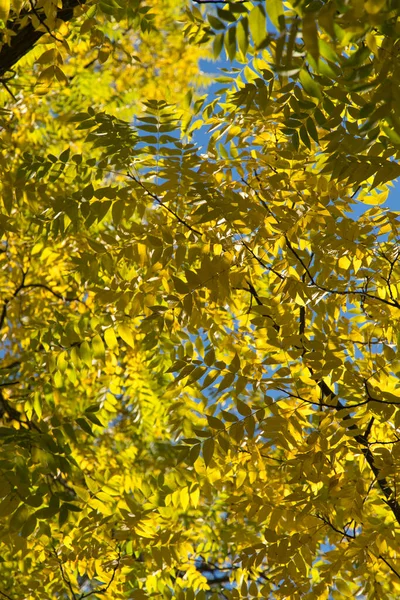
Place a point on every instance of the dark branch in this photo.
(104, 590)
(63, 575)
(23, 40)
(369, 457)
(49, 289)
(313, 282)
(389, 565)
(261, 262)
(161, 203)
(329, 524)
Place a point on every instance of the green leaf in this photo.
(218, 44)
(208, 451)
(98, 348)
(63, 515)
(215, 23)
(257, 25)
(310, 85)
(215, 423)
(276, 13)
(242, 35)
(8, 505)
(29, 526)
(85, 426)
(230, 42)
(85, 354)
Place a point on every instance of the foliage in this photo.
(199, 354)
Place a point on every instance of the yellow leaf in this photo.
(126, 334)
(184, 498)
(275, 13)
(374, 6)
(110, 338)
(4, 10)
(344, 262)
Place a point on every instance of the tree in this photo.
(199, 351)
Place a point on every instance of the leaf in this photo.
(98, 348)
(126, 334)
(63, 515)
(243, 409)
(230, 42)
(312, 130)
(214, 22)
(208, 451)
(180, 286)
(4, 10)
(242, 35)
(110, 338)
(218, 44)
(139, 595)
(215, 423)
(194, 453)
(85, 426)
(257, 25)
(29, 526)
(276, 13)
(85, 354)
(8, 505)
(310, 85)
(93, 419)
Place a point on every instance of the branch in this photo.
(337, 292)
(104, 589)
(15, 293)
(9, 383)
(3, 313)
(389, 565)
(42, 21)
(254, 295)
(23, 286)
(49, 289)
(329, 524)
(65, 578)
(261, 262)
(161, 203)
(23, 40)
(5, 595)
(369, 457)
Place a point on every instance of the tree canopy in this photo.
(199, 300)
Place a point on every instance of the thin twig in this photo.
(261, 262)
(49, 289)
(339, 531)
(47, 28)
(389, 565)
(161, 203)
(104, 589)
(65, 578)
(337, 292)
